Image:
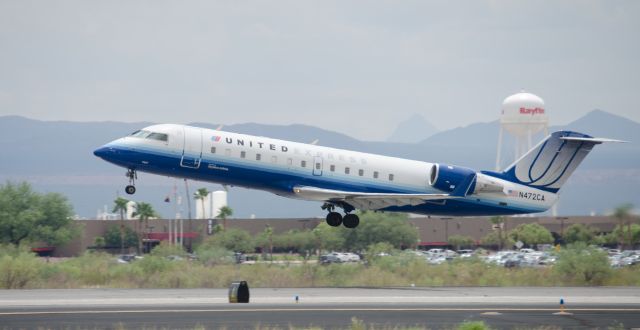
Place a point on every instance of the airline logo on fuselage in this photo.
(250, 143)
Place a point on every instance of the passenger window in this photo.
(332, 168)
(303, 163)
(317, 166)
(213, 150)
(346, 170)
(243, 154)
(360, 172)
(375, 174)
(258, 156)
(289, 161)
(390, 177)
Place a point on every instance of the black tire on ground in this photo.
(334, 219)
(130, 190)
(351, 221)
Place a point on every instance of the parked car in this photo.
(465, 253)
(350, 257)
(333, 257)
(127, 258)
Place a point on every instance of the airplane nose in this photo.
(103, 151)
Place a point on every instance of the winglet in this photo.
(464, 186)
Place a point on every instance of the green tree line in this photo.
(392, 228)
(27, 217)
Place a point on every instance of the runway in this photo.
(432, 308)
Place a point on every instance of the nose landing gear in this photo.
(132, 175)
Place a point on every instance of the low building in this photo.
(433, 231)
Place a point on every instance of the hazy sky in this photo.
(357, 67)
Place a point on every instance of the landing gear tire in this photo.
(132, 175)
(130, 190)
(334, 219)
(350, 220)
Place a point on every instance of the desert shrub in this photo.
(113, 238)
(151, 265)
(165, 249)
(214, 255)
(89, 269)
(580, 264)
(531, 234)
(459, 241)
(579, 233)
(18, 268)
(232, 239)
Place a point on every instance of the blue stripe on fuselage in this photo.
(280, 179)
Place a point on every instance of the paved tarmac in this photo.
(330, 308)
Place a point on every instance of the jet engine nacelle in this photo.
(447, 177)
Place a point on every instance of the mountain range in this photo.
(415, 129)
(57, 156)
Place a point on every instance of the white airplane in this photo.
(348, 179)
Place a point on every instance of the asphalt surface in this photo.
(331, 308)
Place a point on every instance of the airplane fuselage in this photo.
(280, 166)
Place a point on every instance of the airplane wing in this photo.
(366, 201)
(376, 201)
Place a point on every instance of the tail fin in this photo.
(549, 164)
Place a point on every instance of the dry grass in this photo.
(101, 270)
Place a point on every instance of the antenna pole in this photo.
(186, 185)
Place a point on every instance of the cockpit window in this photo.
(143, 134)
(158, 136)
(140, 133)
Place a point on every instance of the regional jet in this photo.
(349, 180)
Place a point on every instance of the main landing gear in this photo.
(335, 219)
(132, 175)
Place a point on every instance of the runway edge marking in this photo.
(320, 310)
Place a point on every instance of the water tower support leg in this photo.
(499, 149)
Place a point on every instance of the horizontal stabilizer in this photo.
(591, 139)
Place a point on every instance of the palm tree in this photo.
(498, 221)
(143, 212)
(623, 212)
(201, 194)
(268, 231)
(120, 205)
(225, 212)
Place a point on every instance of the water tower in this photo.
(523, 115)
(212, 204)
